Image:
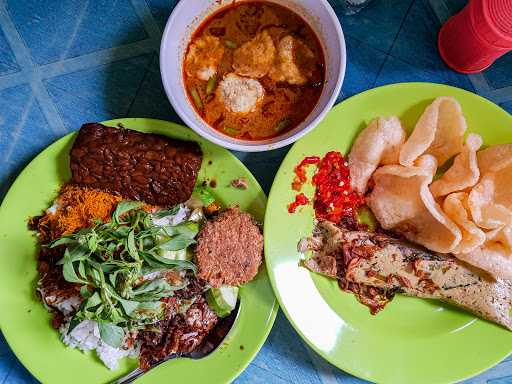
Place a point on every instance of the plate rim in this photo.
(248, 357)
(273, 191)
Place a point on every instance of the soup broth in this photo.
(254, 70)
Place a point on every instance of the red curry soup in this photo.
(254, 70)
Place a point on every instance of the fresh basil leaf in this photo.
(62, 241)
(92, 243)
(154, 290)
(147, 222)
(124, 207)
(78, 252)
(182, 264)
(98, 311)
(177, 243)
(73, 323)
(132, 248)
(84, 291)
(129, 306)
(93, 301)
(188, 229)
(168, 212)
(148, 310)
(111, 334)
(70, 275)
(121, 232)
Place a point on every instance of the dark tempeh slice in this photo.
(139, 166)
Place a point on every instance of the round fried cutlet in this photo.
(229, 249)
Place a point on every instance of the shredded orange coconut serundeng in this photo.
(78, 208)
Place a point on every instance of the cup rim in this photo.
(253, 146)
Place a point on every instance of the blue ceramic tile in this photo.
(501, 380)
(60, 29)
(57, 29)
(377, 24)
(151, 100)
(6, 365)
(256, 375)
(363, 67)
(416, 44)
(23, 132)
(499, 74)
(7, 61)
(285, 356)
(16, 372)
(263, 165)
(99, 93)
(507, 106)
(395, 71)
(161, 10)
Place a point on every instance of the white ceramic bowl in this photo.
(186, 18)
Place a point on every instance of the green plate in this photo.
(412, 340)
(26, 324)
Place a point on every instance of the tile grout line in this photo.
(97, 58)
(500, 95)
(322, 367)
(141, 83)
(22, 55)
(388, 52)
(145, 15)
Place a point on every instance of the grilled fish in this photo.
(389, 265)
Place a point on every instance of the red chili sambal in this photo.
(300, 199)
(334, 198)
(300, 171)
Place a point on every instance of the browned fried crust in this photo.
(229, 249)
(144, 167)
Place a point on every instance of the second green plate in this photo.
(412, 340)
(26, 324)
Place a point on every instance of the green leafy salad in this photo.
(112, 262)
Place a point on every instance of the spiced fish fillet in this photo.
(388, 264)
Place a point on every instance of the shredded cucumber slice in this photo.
(222, 300)
(182, 254)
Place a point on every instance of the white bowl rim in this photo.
(256, 147)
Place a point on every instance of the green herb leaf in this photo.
(132, 248)
(124, 207)
(73, 323)
(282, 125)
(231, 131)
(176, 243)
(183, 264)
(62, 241)
(84, 291)
(230, 44)
(93, 301)
(154, 290)
(70, 275)
(111, 334)
(168, 212)
(212, 83)
(196, 98)
(188, 229)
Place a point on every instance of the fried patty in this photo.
(229, 249)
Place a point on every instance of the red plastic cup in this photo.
(473, 39)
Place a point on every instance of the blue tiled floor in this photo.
(7, 61)
(56, 30)
(65, 62)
